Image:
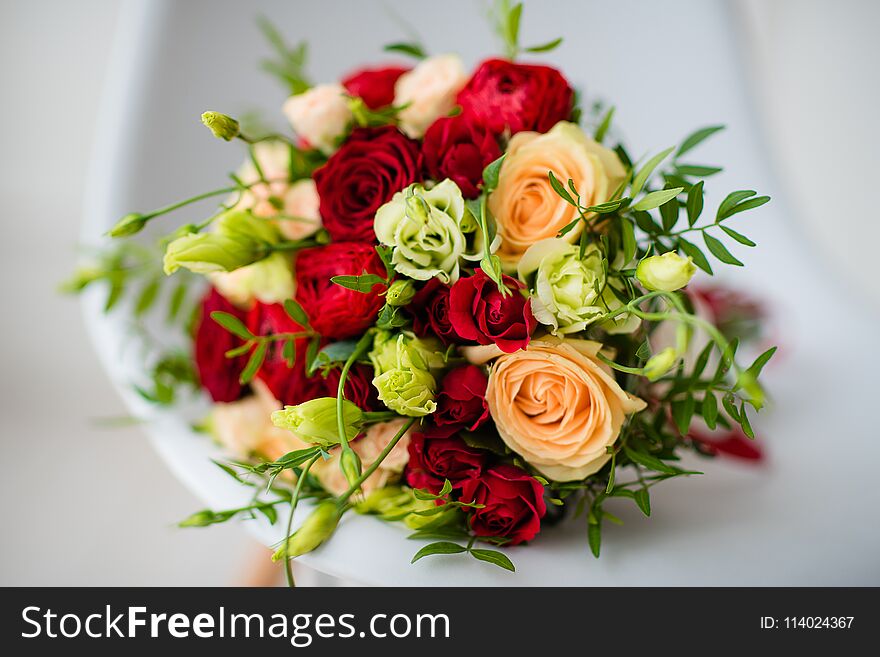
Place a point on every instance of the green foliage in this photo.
(288, 63)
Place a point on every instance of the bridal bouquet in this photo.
(453, 300)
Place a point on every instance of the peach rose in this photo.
(320, 115)
(429, 91)
(368, 447)
(525, 207)
(244, 427)
(556, 405)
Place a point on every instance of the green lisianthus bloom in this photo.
(567, 291)
(430, 230)
(403, 380)
(239, 240)
(424, 353)
(315, 422)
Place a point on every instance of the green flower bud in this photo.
(407, 390)
(394, 503)
(317, 528)
(665, 273)
(315, 420)
(239, 240)
(130, 224)
(389, 348)
(400, 293)
(350, 463)
(660, 363)
(221, 126)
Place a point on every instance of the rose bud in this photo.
(317, 528)
(221, 126)
(666, 273)
(315, 421)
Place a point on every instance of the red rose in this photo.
(513, 503)
(479, 312)
(458, 148)
(430, 311)
(218, 374)
(434, 458)
(291, 385)
(461, 402)
(334, 311)
(362, 175)
(504, 95)
(375, 86)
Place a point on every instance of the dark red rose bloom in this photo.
(362, 175)
(479, 312)
(334, 311)
(458, 148)
(218, 374)
(430, 311)
(291, 385)
(513, 503)
(375, 86)
(461, 402)
(434, 458)
(505, 95)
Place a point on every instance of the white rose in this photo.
(320, 115)
(429, 90)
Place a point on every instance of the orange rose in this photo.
(524, 204)
(556, 405)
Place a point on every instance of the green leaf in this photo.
(669, 214)
(602, 129)
(654, 199)
(745, 424)
(254, 362)
(178, 296)
(410, 49)
(288, 352)
(335, 352)
(511, 27)
(385, 253)
(717, 248)
(728, 402)
(232, 324)
(494, 557)
(560, 189)
(756, 367)
(749, 204)
(646, 223)
(628, 239)
(490, 175)
(296, 312)
(645, 172)
(594, 537)
(739, 237)
(363, 283)
(696, 171)
(643, 500)
(683, 412)
(607, 207)
(731, 200)
(546, 47)
(694, 252)
(649, 461)
(147, 297)
(440, 547)
(695, 203)
(702, 361)
(710, 409)
(696, 138)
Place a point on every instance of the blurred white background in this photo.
(89, 505)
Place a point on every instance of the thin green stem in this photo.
(288, 566)
(375, 464)
(359, 350)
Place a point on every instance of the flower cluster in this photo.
(446, 300)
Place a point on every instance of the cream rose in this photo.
(320, 115)
(368, 447)
(525, 207)
(429, 92)
(556, 405)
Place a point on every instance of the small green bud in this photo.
(315, 420)
(665, 273)
(660, 363)
(221, 126)
(350, 463)
(395, 503)
(130, 224)
(400, 293)
(317, 528)
(82, 278)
